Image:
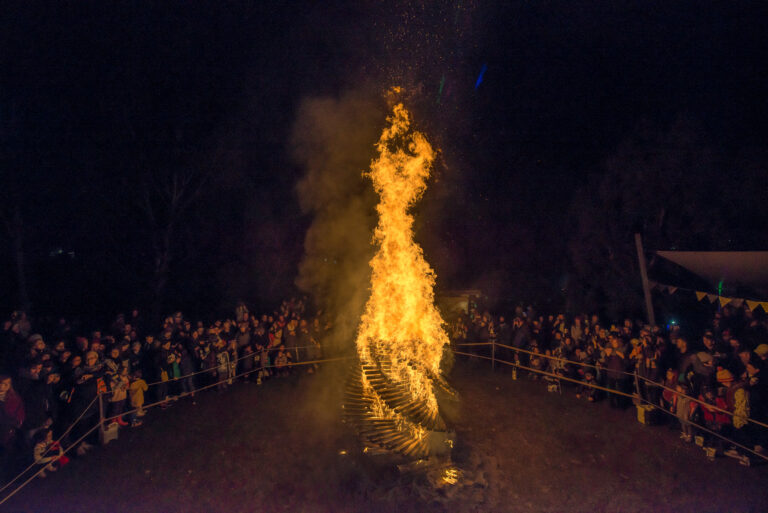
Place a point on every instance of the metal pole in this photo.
(644, 276)
(493, 354)
(101, 416)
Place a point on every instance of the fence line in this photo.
(602, 369)
(633, 396)
(66, 432)
(211, 385)
(212, 369)
(42, 467)
(103, 420)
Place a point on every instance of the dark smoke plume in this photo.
(333, 139)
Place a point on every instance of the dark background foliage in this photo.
(147, 150)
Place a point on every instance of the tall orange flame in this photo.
(401, 326)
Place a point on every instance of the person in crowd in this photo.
(163, 363)
(737, 398)
(186, 367)
(615, 363)
(136, 390)
(262, 363)
(118, 384)
(89, 382)
(12, 417)
(233, 360)
(714, 421)
(222, 365)
(684, 409)
(282, 361)
(47, 453)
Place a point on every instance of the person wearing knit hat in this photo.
(724, 376)
(737, 398)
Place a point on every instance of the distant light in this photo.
(480, 76)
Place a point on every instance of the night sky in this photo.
(536, 107)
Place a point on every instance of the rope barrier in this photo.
(203, 371)
(557, 376)
(211, 385)
(42, 467)
(634, 396)
(700, 402)
(699, 426)
(101, 422)
(66, 432)
(559, 359)
(648, 381)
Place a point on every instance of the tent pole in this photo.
(644, 276)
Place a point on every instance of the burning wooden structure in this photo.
(391, 396)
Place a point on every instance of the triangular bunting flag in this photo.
(752, 304)
(701, 295)
(737, 302)
(764, 304)
(712, 297)
(725, 300)
(671, 289)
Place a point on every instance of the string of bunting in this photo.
(713, 298)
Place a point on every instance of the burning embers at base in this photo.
(391, 397)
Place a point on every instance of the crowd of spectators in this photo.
(723, 366)
(48, 383)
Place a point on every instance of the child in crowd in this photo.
(282, 361)
(136, 391)
(714, 421)
(586, 391)
(48, 453)
(262, 364)
(537, 362)
(119, 386)
(684, 409)
(222, 365)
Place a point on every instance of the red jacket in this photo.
(11, 416)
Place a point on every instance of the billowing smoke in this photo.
(333, 139)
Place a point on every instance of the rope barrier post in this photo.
(101, 412)
(102, 431)
(493, 354)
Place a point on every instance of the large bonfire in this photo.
(401, 338)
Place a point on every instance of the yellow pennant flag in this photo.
(725, 300)
(752, 304)
(700, 295)
(764, 304)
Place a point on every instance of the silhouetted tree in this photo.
(662, 184)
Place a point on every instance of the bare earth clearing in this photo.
(276, 447)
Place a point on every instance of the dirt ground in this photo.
(277, 448)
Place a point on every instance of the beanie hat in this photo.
(724, 375)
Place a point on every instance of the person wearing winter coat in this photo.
(615, 363)
(118, 383)
(222, 365)
(48, 453)
(11, 419)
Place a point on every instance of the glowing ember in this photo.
(401, 338)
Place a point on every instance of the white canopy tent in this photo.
(731, 268)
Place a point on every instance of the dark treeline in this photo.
(145, 152)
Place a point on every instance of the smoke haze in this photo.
(333, 140)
